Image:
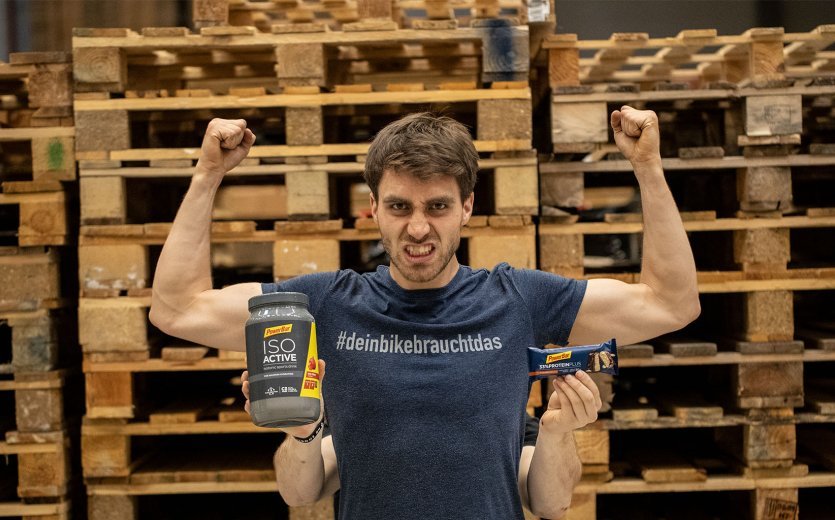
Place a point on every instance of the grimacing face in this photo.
(420, 223)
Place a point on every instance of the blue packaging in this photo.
(602, 358)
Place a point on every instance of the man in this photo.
(331, 483)
(427, 365)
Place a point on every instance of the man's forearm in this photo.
(184, 267)
(668, 266)
(300, 471)
(555, 470)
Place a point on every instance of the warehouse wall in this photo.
(598, 19)
(45, 25)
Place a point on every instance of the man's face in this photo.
(420, 222)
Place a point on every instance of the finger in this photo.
(572, 405)
(577, 406)
(321, 370)
(245, 376)
(249, 138)
(588, 411)
(565, 402)
(631, 125)
(246, 406)
(229, 135)
(554, 399)
(616, 121)
(587, 380)
(245, 389)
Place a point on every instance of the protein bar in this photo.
(568, 360)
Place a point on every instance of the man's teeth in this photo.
(419, 250)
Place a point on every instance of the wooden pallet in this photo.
(305, 158)
(43, 156)
(757, 450)
(42, 340)
(110, 193)
(39, 400)
(120, 60)
(336, 15)
(41, 217)
(695, 58)
(43, 463)
(40, 444)
(57, 511)
(114, 260)
(30, 279)
(37, 90)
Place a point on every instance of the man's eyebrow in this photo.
(391, 199)
(446, 199)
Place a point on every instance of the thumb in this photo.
(321, 370)
(615, 121)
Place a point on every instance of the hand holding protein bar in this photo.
(563, 361)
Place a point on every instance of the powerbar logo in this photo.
(557, 357)
(279, 329)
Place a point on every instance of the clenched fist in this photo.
(226, 143)
(637, 134)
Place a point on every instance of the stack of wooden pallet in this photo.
(38, 375)
(165, 418)
(337, 14)
(737, 403)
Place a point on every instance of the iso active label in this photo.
(286, 363)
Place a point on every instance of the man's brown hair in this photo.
(425, 145)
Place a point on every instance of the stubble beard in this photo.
(428, 273)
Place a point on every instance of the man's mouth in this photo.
(420, 251)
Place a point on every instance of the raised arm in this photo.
(667, 297)
(183, 303)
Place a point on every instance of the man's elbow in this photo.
(552, 511)
(295, 497)
(163, 319)
(556, 514)
(158, 318)
(295, 500)
(690, 310)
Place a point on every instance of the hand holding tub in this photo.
(296, 431)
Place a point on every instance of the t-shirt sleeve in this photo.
(316, 286)
(553, 302)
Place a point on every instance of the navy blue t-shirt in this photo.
(425, 390)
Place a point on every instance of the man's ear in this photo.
(468, 209)
(373, 207)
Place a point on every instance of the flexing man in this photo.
(426, 359)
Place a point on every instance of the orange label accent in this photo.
(310, 384)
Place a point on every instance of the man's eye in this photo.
(398, 206)
(439, 206)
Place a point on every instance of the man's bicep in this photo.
(217, 317)
(630, 313)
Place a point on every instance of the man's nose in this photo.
(418, 226)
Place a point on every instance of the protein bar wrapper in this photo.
(568, 360)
